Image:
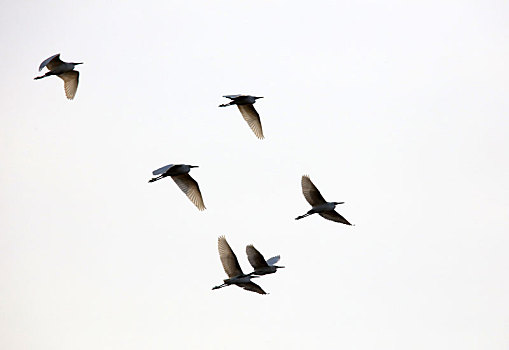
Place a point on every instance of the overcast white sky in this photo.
(398, 108)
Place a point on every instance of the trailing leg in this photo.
(156, 178)
(302, 216)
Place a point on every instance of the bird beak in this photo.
(78, 63)
(258, 97)
(194, 166)
(280, 267)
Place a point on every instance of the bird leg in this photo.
(45, 75)
(302, 216)
(156, 178)
(221, 286)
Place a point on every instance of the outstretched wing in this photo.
(232, 97)
(273, 260)
(255, 258)
(252, 118)
(51, 62)
(228, 259)
(190, 187)
(334, 216)
(70, 83)
(252, 287)
(162, 170)
(311, 193)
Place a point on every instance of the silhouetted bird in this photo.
(180, 174)
(64, 71)
(245, 104)
(257, 261)
(232, 268)
(319, 204)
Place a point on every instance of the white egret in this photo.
(232, 268)
(180, 174)
(63, 70)
(257, 261)
(319, 204)
(245, 105)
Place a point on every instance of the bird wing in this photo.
(334, 216)
(252, 118)
(51, 62)
(190, 187)
(252, 287)
(162, 170)
(228, 259)
(273, 260)
(70, 83)
(311, 193)
(232, 97)
(255, 258)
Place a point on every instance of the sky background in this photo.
(397, 108)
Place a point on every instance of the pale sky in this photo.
(397, 108)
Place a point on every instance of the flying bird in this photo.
(232, 268)
(245, 104)
(63, 70)
(319, 204)
(257, 261)
(180, 174)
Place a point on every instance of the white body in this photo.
(238, 279)
(323, 207)
(63, 68)
(241, 99)
(173, 169)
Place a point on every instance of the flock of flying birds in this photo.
(180, 174)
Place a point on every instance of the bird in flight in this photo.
(251, 116)
(320, 205)
(257, 261)
(232, 268)
(63, 70)
(180, 174)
